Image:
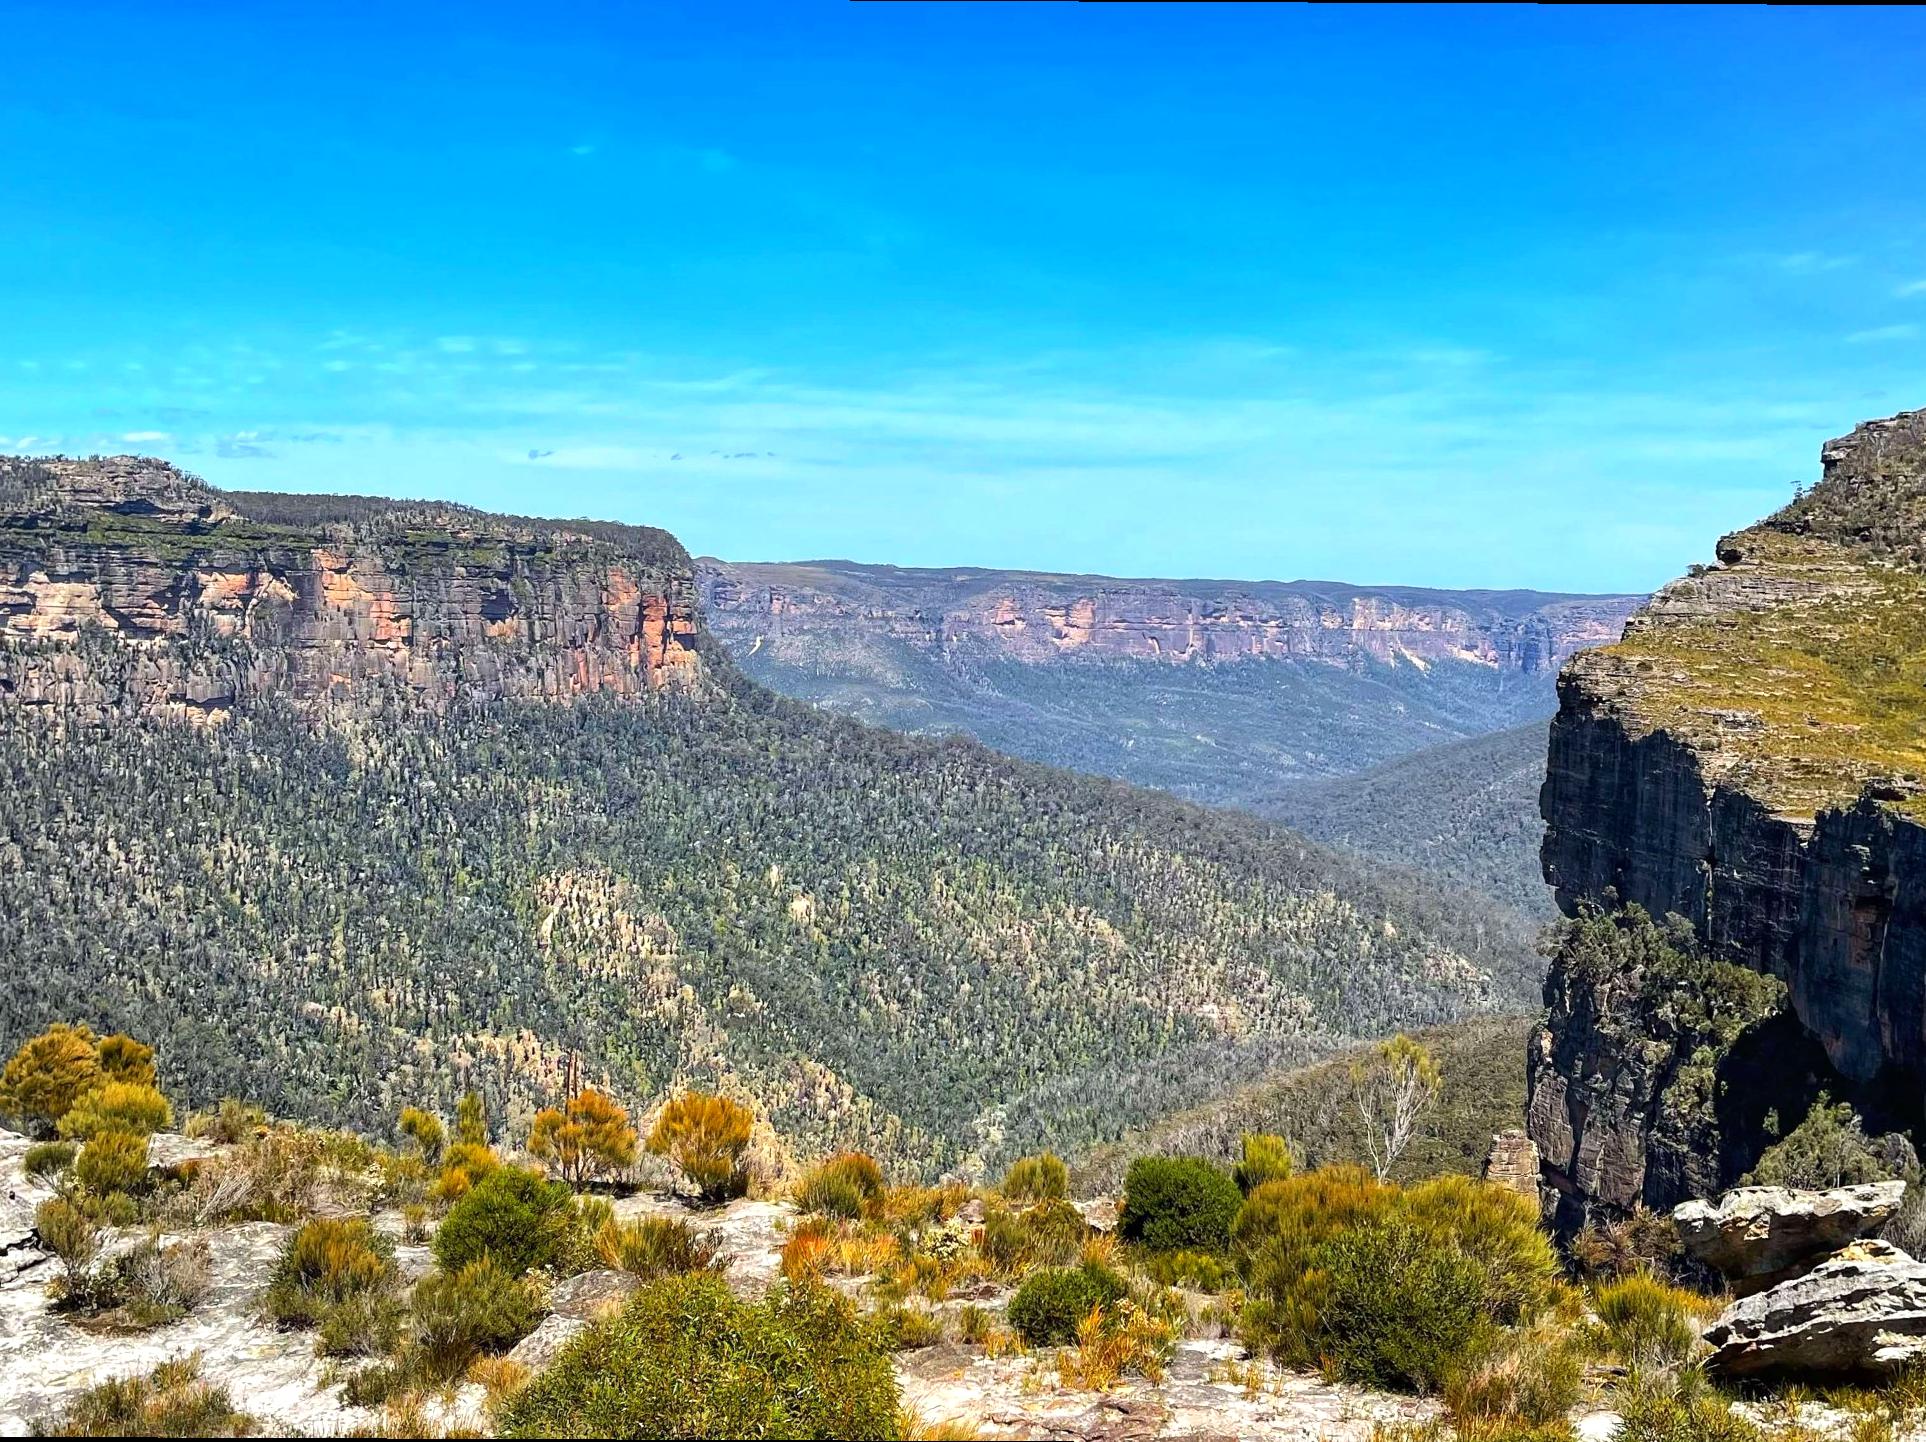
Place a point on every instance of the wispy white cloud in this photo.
(1813, 262)
(1904, 331)
(147, 437)
(1911, 288)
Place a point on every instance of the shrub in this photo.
(1523, 1379)
(1006, 1241)
(274, 1178)
(122, 1059)
(133, 1107)
(520, 1219)
(652, 1247)
(1621, 1247)
(1680, 1405)
(459, 1315)
(589, 1137)
(1266, 1158)
(1054, 1232)
(150, 1285)
(112, 1161)
(425, 1130)
(338, 1275)
(471, 1121)
(170, 1402)
(901, 1328)
(1498, 1229)
(46, 1076)
(462, 1166)
(1391, 1307)
(1828, 1149)
(1037, 1179)
(1176, 1203)
(232, 1122)
(1206, 1271)
(44, 1159)
(70, 1234)
(1645, 1323)
(1052, 1303)
(705, 1136)
(1113, 1340)
(849, 1184)
(686, 1358)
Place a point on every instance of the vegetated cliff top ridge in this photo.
(393, 867)
(1750, 759)
(1796, 667)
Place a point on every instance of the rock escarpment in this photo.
(1038, 618)
(1750, 758)
(128, 587)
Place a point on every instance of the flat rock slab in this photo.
(1762, 1233)
(1021, 1397)
(1861, 1311)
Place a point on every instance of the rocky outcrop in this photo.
(1755, 1235)
(1037, 618)
(1861, 1310)
(1512, 1163)
(1749, 758)
(126, 586)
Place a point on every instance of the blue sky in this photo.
(1544, 298)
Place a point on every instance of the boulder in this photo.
(1862, 1310)
(1759, 1235)
(547, 1342)
(588, 1296)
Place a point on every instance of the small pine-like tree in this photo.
(1266, 1158)
(705, 1136)
(424, 1129)
(134, 1107)
(471, 1121)
(590, 1137)
(1037, 1179)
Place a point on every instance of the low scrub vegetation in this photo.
(687, 1358)
(1178, 1203)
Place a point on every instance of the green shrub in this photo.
(1054, 1233)
(849, 1184)
(1646, 1323)
(459, 1315)
(519, 1218)
(44, 1159)
(1265, 1158)
(338, 1275)
(171, 1402)
(1050, 1305)
(1828, 1149)
(1006, 1241)
(901, 1328)
(1206, 1271)
(1679, 1405)
(149, 1285)
(1178, 1203)
(686, 1358)
(1498, 1229)
(113, 1161)
(1392, 1308)
(232, 1122)
(70, 1234)
(1520, 1381)
(653, 1247)
(117, 1106)
(1037, 1179)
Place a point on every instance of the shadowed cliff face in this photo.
(126, 586)
(1750, 757)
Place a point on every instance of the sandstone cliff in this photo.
(128, 586)
(1039, 618)
(1750, 757)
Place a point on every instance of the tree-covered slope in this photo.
(916, 945)
(1465, 812)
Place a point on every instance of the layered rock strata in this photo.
(126, 586)
(1749, 757)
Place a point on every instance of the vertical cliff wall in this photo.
(1750, 758)
(127, 586)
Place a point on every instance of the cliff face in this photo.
(126, 586)
(1039, 619)
(1750, 757)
